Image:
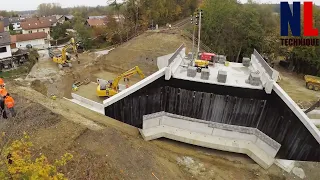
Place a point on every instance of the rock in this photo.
(298, 172)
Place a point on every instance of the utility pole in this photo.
(193, 38)
(199, 33)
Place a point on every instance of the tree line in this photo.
(235, 29)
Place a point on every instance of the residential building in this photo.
(5, 50)
(96, 22)
(6, 23)
(36, 40)
(118, 18)
(97, 17)
(51, 19)
(64, 18)
(30, 26)
(15, 21)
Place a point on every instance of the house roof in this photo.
(28, 37)
(97, 17)
(51, 19)
(96, 22)
(5, 38)
(69, 17)
(5, 21)
(37, 24)
(15, 19)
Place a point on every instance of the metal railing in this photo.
(176, 53)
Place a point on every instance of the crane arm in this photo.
(130, 72)
(72, 45)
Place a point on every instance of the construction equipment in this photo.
(312, 82)
(63, 60)
(111, 88)
(77, 84)
(199, 64)
(207, 56)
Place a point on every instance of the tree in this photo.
(117, 6)
(60, 30)
(84, 35)
(47, 9)
(17, 162)
(235, 29)
(11, 27)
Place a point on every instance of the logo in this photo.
(292, 18)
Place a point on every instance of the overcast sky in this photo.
(18, 5)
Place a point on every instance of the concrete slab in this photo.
(237, 75)
(199, 139)
(246, 140)
(89, 91)
(285, 164)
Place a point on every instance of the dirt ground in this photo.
(294, 85)
(104, 148)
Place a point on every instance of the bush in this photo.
(17, 162)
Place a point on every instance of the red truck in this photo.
(207, 56)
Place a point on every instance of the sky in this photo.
(18, 5)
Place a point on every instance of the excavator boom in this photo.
(103, 90)
(127, 74)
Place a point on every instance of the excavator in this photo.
(111, 88)
(63, 60)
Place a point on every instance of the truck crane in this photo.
(111, 88)
(62, 59)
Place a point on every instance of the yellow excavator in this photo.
(111, 88)
(63, 60)
(199, 64)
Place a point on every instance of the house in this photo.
(64, 18)
(97, 17)
(34, 26)
(36, 40)
(119, 18)
(15, 21)
(5, 22)
(96, 22)
(51, 19)
(5, 50)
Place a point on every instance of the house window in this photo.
(43, 30)
(38, 30)
(30, 32)
(3, 49)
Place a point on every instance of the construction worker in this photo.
(9, 102)
(1, 82)
(3, 93)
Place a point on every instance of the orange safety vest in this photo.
(3, 92)
(9, 101)
(1, 81)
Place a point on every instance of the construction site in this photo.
(146, 110)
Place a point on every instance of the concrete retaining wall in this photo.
(163, 61)
(267, 75)
(246, 140)
(82, 101)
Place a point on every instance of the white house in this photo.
(36, 40)
(36, 26)
(5, 50)
(15, 21)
